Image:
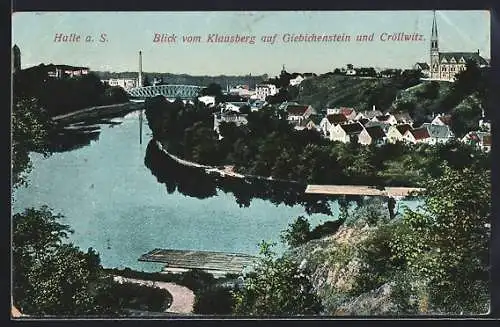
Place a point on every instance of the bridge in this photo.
(185, 92)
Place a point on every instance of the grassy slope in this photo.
(336, 90)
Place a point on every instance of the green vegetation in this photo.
(432, 260)
(276, 287)
(447, 246)
(30, 128)
(54, 277)
(268, 146)
(64, 95)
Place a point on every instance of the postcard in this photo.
(250, 164)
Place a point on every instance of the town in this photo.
(336, 185)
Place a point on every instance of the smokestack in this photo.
(140, 69)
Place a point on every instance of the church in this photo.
(444, 65)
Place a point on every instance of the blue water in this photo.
(111, 199)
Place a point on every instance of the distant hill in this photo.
(328, 91)
(462, 99)
(185, 79)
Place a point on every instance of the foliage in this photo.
(63, 95)
(446, 243)
(140, 297)
(52, 277)
(216, 300)
(277, 287)
(297, 232)
(30, 128)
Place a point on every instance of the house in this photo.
(417, 135)
(349, 113)
(346, 133)
(370, 123)
(438, 133)
(350, 72)
(264, 90)
(368, 114)
(296, 113)
(125, 83)
(442, 120)
(480, 139)
(229, 117)
(387, 119)
(310, 123)
(484, 124)
(423, 67)
(331, 120)
(60, 71)
(208, 100)
(372, 135)
(296, 80)
(403, 118)
(233, 106)
(396, 133)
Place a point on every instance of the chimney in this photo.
(140, 69)
(478, 52)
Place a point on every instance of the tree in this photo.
(52, 277)
(276, 287)
(31, 126)
(297, 232)
(445, 245)
(145, 81)
(217, 300)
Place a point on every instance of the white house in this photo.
(395, 133)
(372, 135)
(297, 80)
(229, 117)
(417, 135)
(208, 100)
(386, 119)
(264, 90)
(346, 133)
(403, 118)
(297, 113)
(438, 133)
(125, 83)
(442, 120)
(329, 121)
(368, 114)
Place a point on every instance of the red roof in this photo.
(446, 119)
(420, 133)
(403, 128)
(296, 109)
(336, 118)
(346, 111)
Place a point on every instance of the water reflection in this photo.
(195, 182)
(63, 138)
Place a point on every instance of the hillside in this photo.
(421, 99)
(328, 91)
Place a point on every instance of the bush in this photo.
(216, 300)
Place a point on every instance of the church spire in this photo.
(434, 36)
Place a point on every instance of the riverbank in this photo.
(362, 190)
(98, 112)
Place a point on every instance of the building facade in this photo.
(445, 65)
(264, 90)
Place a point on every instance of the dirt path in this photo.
(182, 297)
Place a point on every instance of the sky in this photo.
(127, 33)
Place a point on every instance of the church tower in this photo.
(434, 50)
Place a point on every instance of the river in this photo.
(116, 205)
